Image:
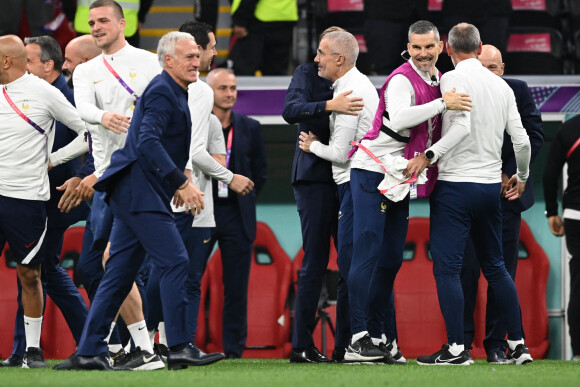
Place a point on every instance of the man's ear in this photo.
(49, 65)
(168, 59)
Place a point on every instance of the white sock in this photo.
(384, 338)
(110, 333)
(32, 329)
(376, 341)
(358, 336)
(114, 348)
(140, 336)
(456, 349)
(162, 336)
(152, 334)
(514, 343)
(395, 348)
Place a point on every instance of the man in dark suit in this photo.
(44, 59)
(494, 343)
(140, 182)
(235, 215)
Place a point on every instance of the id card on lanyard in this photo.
(223, 187)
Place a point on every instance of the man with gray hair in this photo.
(140, 182)
(336, 57)
(408, 114)
(466, 197)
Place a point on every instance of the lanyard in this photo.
(121, 81)
(412, 179)
(22, 115)
(229, 146)
(573, 148)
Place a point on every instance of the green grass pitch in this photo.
(250, 372)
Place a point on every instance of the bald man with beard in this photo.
(79, 50)
(29, 107)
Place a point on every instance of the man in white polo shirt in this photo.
(336, 58)
(29, 107)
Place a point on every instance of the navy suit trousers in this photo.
(236, 252)
(317, 207)
(495, 330)
(134, 235)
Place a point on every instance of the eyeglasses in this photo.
(320, 53)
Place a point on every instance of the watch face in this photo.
(429, 155)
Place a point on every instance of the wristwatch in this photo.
(430, 155)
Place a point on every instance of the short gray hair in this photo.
(464, 38)
(167, 43)
(345, 44)
(423, 27)
(49, 50)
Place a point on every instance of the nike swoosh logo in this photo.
(438, 360)
(354, 350)
(30, 244)
(95, 82)
(206, 240)
(141, 328)
(148, 359)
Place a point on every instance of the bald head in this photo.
(225, 90)
(12, 58)
(490, 58)
(79, 50)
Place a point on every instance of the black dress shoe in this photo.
(309, 355)
(191, 356)
(71, 363)
(100, 362)
(498, 356)
(338, 354)
(12, 361)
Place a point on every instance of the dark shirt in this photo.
(563, 141)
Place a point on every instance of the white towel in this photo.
(394, 177)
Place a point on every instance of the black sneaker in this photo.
(396, 353)
(140, 360)
(162, 351)
(119, 358)
(12, 361)
(444, 357)
(363, 350)
(34, 358)
(388, 358)
(520, 355)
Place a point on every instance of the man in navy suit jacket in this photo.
(494, 343)
(140, 182)
(235, 215)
